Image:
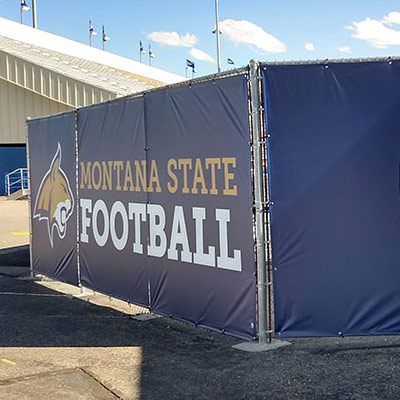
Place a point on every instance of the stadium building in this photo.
(43, 74)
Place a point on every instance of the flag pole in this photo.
(217, 36)
(150, 55)
(34, 19)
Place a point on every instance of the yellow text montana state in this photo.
(185, 175)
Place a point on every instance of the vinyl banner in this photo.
(112, 168)
(334, 155)
(53, 196)
(166, 203)
(201, 241)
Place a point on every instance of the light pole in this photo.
(217, 32)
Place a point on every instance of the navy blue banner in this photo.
(165, 200)
(203, 268)
(52, 151)
(112, 162)
(334, 158)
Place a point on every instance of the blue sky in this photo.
(266, 30)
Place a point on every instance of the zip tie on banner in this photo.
(259, 143)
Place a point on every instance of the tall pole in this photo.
(260, 204)
(34, 18)
(217, 36)
(22, 19)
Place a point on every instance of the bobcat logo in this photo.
(54, 201)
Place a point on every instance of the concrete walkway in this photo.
(14, 223)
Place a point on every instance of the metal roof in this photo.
(47, 42)
(101, 76)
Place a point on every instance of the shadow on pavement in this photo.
(178, 361)
(15, 256)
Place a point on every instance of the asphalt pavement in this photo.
(55, 343)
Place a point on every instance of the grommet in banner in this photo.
(146, 149)
(170, 315)
(222, 331)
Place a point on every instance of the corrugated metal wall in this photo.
(28, 90)
(16, 104)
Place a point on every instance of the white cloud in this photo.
(253, 35)
(345, 49)
(392, 18)
(173, 39)
(309, 46)
(201, 55)
(378, 33)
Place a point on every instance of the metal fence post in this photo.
(78, 243)
(28, 164)
(260, 203)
